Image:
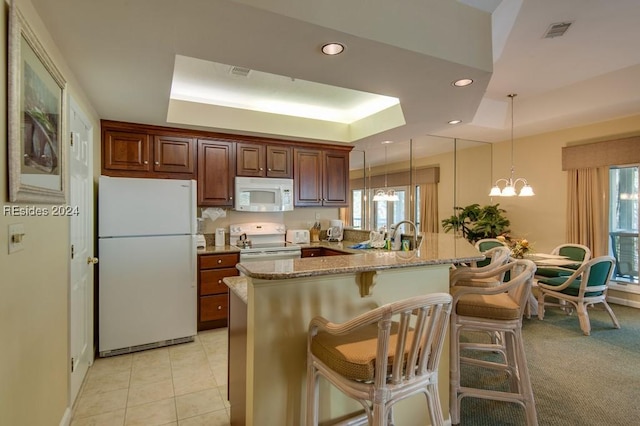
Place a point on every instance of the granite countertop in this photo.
(238, 285)
(218, 249)
(434, 249)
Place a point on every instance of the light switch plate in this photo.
(16, 237)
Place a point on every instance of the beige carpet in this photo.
(577, 379)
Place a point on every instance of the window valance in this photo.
(598, 154)
(421, 175)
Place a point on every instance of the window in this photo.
(357, 201)
(386, 213)
(624, 221)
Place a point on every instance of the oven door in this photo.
(259, 256)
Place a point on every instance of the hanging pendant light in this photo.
(386, 194)
(509, 189)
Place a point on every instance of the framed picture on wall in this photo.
(36, 118)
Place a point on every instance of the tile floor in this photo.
(183, 385)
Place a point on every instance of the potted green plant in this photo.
(475, 222)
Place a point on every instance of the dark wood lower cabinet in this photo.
(213, 304)
(237, 355)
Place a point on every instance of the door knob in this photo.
(92, 260)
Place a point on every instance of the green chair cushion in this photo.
(552, 272)
(573, 253)
(572, 290)
(482, 263)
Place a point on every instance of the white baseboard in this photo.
(624, 302)
(66, 418)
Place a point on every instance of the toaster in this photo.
(298, 236)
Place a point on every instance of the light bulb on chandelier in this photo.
(510, 183)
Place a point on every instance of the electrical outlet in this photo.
(16, 236)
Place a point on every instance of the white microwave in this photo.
(263, 194)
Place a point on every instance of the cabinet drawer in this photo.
(213, 307)
(218, 260)
(211, 280)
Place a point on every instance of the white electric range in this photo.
(262, 241)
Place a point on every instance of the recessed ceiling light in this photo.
(462, 82)
(332, 48)
(455, 121)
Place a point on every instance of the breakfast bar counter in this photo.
(272, 304)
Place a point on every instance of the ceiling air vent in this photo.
(240, 71)
(557, 29)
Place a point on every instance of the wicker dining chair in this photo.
(584, 288)
(577, 252)
(484, 276)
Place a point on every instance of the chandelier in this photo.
(510, 183)
(386, 194)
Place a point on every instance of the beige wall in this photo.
(542, 219)
(34, 322)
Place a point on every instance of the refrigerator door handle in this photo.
(194, 261)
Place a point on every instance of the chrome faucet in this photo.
(396, 239)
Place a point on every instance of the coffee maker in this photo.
(335, 231)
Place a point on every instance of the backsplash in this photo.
(300, 218)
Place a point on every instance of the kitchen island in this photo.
(275, 300)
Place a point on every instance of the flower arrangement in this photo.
(519, 246)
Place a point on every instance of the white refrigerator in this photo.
(147, 271)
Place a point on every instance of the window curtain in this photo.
(429, 209)
(588, 208)
(344, 213)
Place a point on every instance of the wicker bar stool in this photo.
(495, 309)
(360, 357)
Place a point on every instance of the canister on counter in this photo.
(219, 239)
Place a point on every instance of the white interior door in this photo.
(82, 247)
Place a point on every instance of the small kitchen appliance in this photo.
(262, 241)
(263, 194)
(298, 236)
(335, 230)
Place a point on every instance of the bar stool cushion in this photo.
(354, 355)
(492, 306)
(479, 282)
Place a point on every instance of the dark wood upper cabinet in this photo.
(260, 160)
(335, 181)
(126, 151)
(307, 177)
(174, 154)
(130, 150)
(321, 178)
(216, 159)
(279, 161)
(320, 171)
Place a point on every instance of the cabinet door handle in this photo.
(219, 307)
(157, 163)
(219, 281)
(261, 169)
(269, 170)
(145, 162)
(219, 261)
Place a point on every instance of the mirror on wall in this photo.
(429, 175)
